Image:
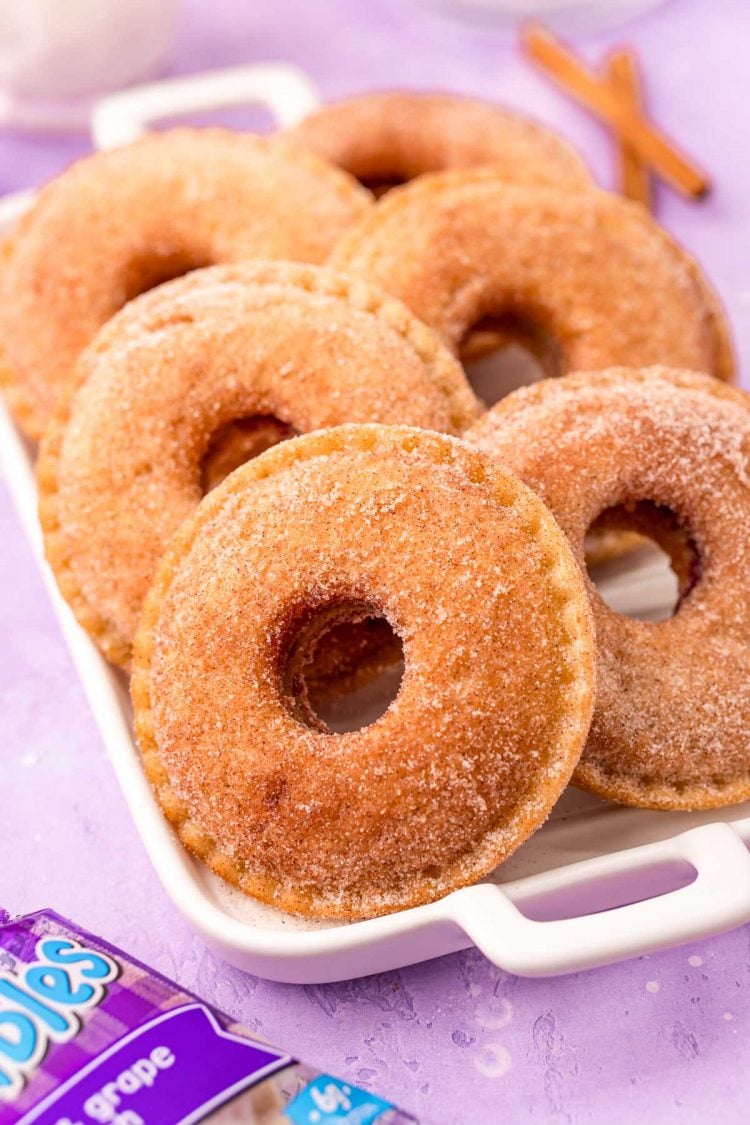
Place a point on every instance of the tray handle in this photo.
(284, 90)
(717, 899)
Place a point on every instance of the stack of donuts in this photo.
(264, 478)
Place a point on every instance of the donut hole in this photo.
(652, 579)
(342, 668)
(380, 185)
(146, 271)
(501, 353)
(238, 441)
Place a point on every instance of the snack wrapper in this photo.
(90, 1036)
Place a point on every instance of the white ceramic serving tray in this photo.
(596, 884)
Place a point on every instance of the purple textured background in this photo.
(455, 1040)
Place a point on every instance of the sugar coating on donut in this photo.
(392, 136)
(119, 222)
(593, 271)
(493, 708)
(671, 727)
(285, 348)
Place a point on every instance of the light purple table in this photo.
(454, 1040)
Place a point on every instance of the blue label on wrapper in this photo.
(327, 1100)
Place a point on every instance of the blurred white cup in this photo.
(73, 49)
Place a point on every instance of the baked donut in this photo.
(668, 453)
(247, 354)
(474, 575)
(595, 275)
(387, 138)
(120, 222)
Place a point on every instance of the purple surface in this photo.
(456, 1040)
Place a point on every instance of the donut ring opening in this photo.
(502, 352)
(522, 343)
(381, 184)
(359, 640)
(648, 524)
(237, 441)
(145, 271)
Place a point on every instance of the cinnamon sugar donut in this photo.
(669, 453)
(593, 272)
(474, 575)
(119, 222)
(253, 353)
(386, 138)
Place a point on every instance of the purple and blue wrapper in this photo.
(91, 1036)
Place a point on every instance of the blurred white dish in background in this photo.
(563, 15)
(72, 49)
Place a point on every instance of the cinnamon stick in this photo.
(624, 77)
(599, 97)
